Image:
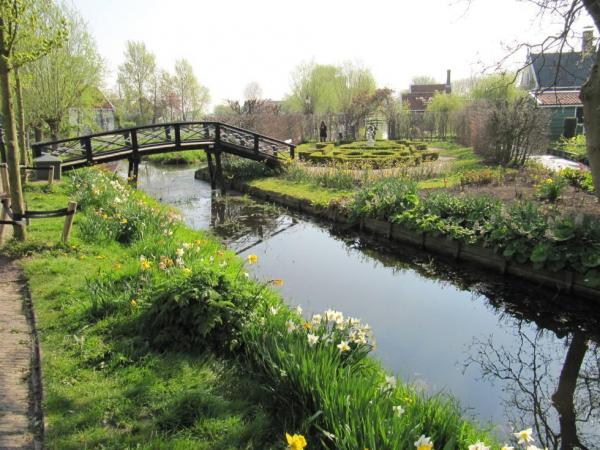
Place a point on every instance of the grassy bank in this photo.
(178, 158)
(154, 337)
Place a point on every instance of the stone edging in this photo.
(566, 281)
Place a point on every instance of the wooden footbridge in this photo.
(133, 143)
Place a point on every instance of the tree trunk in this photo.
(590, 97)
(12, 146)
(24, 154)
(563, 398)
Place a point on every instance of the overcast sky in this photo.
(233, 42)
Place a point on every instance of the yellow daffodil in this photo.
(307, 325)
(507, 447)
(252, 259)
(144, 263)
(124, 221)
(133, 302)
(277, 282)
(187, 270)
(295, 442)
(424, 443)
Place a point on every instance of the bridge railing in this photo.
(131, 141)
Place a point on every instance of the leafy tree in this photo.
(136, 77)
(499, 87)
(67, 77)
(193, 97)
(423, 79)
(24, 37)
(442, 107)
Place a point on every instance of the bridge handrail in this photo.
(142, 127)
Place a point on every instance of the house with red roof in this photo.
(419, 95)
(554, 80)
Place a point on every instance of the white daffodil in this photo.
(390, 382)
(291, 326)
(343, 346)
(424, 443)
(179, 252)
(398, 410)
(479, 446)
(312, 339)
(524, 436)
(273, 310)
(316, 319)
(507, 447)
(299, 309)
(186, 245)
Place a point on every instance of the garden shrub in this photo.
(580, 179)
(550, 188)
(195, 310)
(381, 199)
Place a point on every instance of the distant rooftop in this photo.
(561, 71)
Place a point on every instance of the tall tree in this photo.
(24, 37)
(423, 79)
(193, 97)
(135, 80)
(67, 77)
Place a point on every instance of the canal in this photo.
(503, 348)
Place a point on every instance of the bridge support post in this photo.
(219, 172)
(211, 169)
(133, 171)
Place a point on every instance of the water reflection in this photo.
(553, 388)
(522, 347)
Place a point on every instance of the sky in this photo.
(231, 43)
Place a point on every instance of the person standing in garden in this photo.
(323, 132)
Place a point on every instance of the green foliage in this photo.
(204, 307)
(580, 179)
(319, 371)
(382, 199)
(177, 158)
(497, 88)
(576, 146)
(521, 232)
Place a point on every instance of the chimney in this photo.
(448, 83)
(587, 41)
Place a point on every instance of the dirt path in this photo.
(17, 407)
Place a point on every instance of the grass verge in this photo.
(178, 158)
(154, 337)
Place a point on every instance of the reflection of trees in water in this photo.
(562, 406)
(234, 218)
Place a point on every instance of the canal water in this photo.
(496, 344)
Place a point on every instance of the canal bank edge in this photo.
(564, 281)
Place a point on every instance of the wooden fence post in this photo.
(50, 175)
(4, 216)
(69, 221)
(4, 175)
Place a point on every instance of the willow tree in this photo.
(24, 37)
(193, 97)
(136, 80)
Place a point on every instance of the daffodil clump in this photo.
(115, 212)
(318, 368)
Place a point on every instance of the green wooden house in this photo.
(554, 80)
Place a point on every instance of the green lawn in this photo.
(179, 158)
(305, 191)
(104, 387)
